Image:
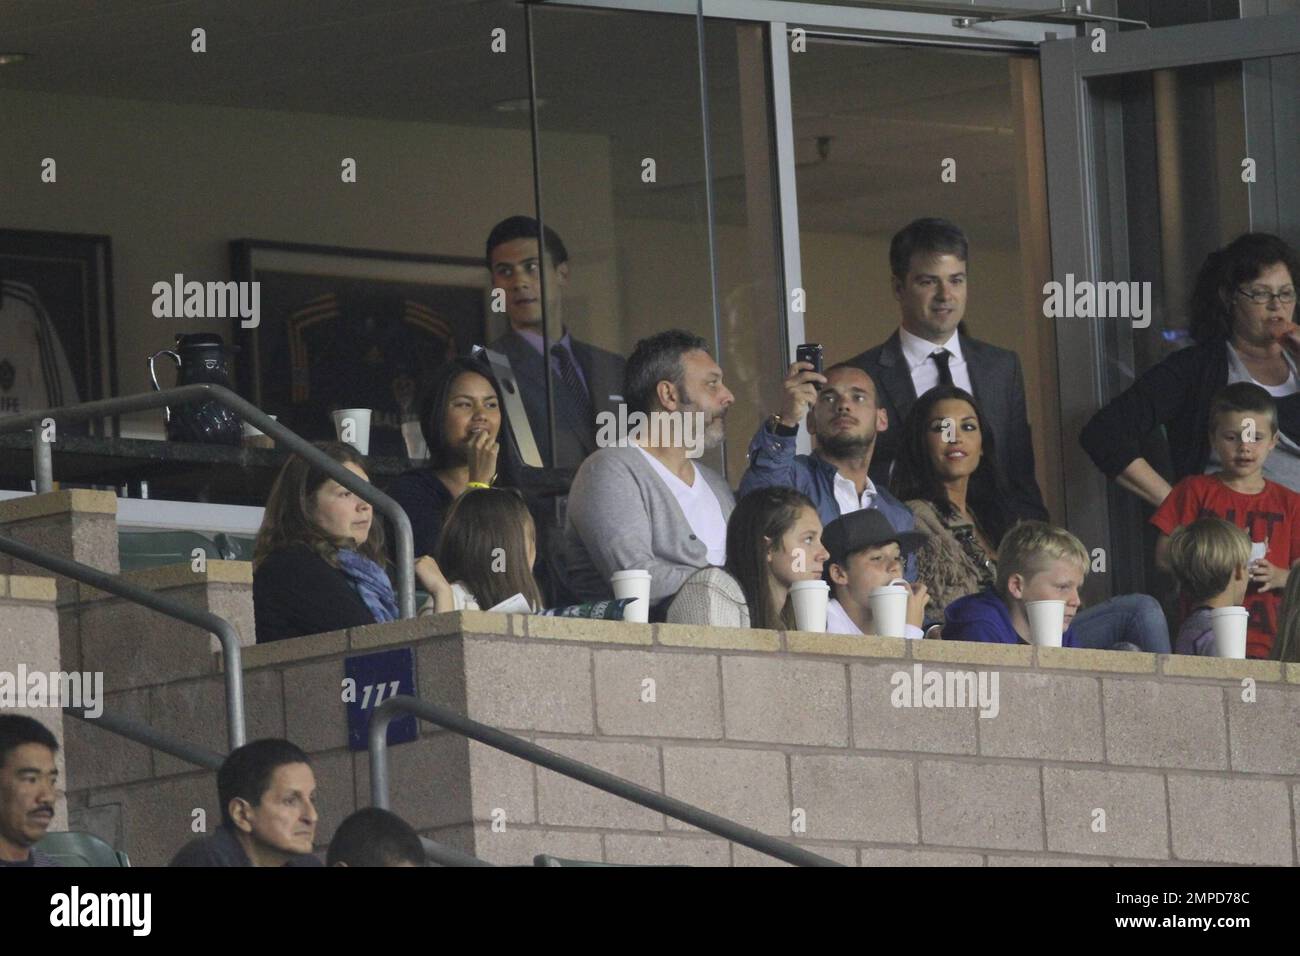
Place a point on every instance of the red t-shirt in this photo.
(1271, 517)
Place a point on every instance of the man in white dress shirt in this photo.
(928, 260)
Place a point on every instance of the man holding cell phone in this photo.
(844, 418)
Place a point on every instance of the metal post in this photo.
(42, 463)
(108, 407)
(211, 623)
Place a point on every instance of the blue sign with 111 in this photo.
(371, 680)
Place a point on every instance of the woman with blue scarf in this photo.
(319, 560)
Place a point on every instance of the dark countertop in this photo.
(174, 470)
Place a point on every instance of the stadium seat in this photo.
(81, 849)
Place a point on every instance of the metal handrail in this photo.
(212, 623)
(211, 760)
(577, 770)
(205, 391)
(156, 739)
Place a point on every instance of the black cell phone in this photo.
(810, 352)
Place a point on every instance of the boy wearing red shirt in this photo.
(1243, 431)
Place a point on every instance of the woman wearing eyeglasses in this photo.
(1243, 320)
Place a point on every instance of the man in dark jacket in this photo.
(846, 421)
(928, 260)
(268, 810)
(586, 380)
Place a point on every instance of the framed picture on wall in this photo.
(56, 321)
(352, 328)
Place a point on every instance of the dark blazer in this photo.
(999, 386)
(576, 439)
(1176, 393)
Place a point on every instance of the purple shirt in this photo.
(984, 617)
(535, 340)
(1196, 636)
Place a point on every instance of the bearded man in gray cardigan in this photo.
(642, 501)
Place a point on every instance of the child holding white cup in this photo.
(867, 555)
(1210, 559)
(1039, 566)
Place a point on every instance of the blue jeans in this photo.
(1136, 618)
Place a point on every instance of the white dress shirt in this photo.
(846, 495)
(924, 371)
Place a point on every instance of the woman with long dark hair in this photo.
(318, 564)
(773, 540)
(1242, 318)
(460, 419)
(946, 473)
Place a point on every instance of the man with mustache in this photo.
(930, 347)
(28, 788)
(647, 505)
(844, 419)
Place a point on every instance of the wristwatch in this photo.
(777, 426)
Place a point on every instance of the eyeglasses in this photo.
(1264, 297)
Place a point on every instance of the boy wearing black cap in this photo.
(867, 553)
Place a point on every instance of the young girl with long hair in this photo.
(773, 540)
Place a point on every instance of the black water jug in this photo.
(200, 357)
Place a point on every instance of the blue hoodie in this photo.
(984, 617)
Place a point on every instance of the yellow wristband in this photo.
(477, 484)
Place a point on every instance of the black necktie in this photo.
(569, 376)
(941, 358)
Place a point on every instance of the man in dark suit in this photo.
(586, 380)
(928, 261)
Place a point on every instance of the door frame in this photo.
(1086, 200)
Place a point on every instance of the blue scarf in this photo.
(371, 583)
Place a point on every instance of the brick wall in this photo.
(772, 729)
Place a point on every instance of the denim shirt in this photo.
(773, 462)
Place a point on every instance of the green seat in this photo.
(81, 849)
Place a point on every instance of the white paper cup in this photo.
(1046, 622)
(810, 599)
(256, 438)
(1229, 625)
(352, 425)
(633, 584)
(889, 610)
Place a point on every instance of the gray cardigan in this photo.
(621, 516)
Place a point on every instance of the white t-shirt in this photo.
(839, 622)
(924, 372)
(700, 506)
